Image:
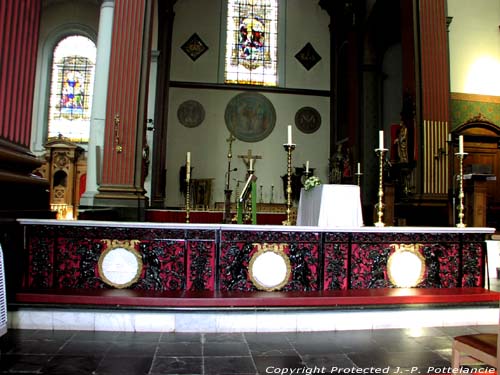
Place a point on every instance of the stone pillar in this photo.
(124, 135)
(96, 137)
(159, 154)
(434, 85)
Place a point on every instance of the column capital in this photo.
(106, 3)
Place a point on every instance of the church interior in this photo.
(264, 164)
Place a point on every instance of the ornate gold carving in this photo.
(124, 252)
(475, 97)
(269, 268)
(406, 260)
(118, 145)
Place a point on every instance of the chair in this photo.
(477, 348)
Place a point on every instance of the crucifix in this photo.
(249, 160)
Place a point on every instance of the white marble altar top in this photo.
(247, 227)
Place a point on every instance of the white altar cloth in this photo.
(330, 206)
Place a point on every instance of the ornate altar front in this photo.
(65, 258)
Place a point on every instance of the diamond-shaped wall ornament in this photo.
(194, 47)
(308, 56)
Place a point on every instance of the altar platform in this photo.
(179, 272)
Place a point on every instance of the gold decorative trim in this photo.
(277, 249)
(413, 249)
(475, 97)
(113, 245)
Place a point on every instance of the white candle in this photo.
(251, 164)
(449, 137)
(359, 168)
(307, 166)
(188, 164)
(381, 139)
(289, 135)
(460, 144)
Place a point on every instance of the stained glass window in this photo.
(73, 68)
(251, 44)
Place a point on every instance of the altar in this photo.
(330, 206)
(82, 258)
(181, 277)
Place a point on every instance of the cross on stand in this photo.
(246, 159)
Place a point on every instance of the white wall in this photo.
(203, 18)
(207, 142)
(307, 22)
(208, 146)
(474, 39)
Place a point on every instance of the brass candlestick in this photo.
(461, 156)
(380, 205)
(188, 203)
(227, 190)
(289, 149)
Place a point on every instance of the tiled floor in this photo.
(82, 352)
(395, 351)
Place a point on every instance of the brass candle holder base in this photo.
(188, 203)
(289, 149)
(380, 205)
(461, 156)
(358, 178)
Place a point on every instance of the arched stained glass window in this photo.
(71, 88)
(251, 44)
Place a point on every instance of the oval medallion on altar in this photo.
(269, 268)
(250, 117)
(191, 113)
(120, 265)
(308, 120)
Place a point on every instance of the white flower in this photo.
(311, 182)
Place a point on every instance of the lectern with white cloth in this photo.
(330, 206)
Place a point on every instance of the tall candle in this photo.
(251, 164)
(449, 137)
(359, 168)
(289, 135)
(307, 166)
(381, 139)
(460, 144)
(188, 164)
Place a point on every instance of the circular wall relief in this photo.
(269, 269)
(308, 120)
(250, 117)
(191, 113)
(120, 266)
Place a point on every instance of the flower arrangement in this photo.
(311, 182)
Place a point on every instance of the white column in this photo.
(151, 115)
(98, 115)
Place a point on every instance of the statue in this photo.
(402, 143)
(336, 166)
